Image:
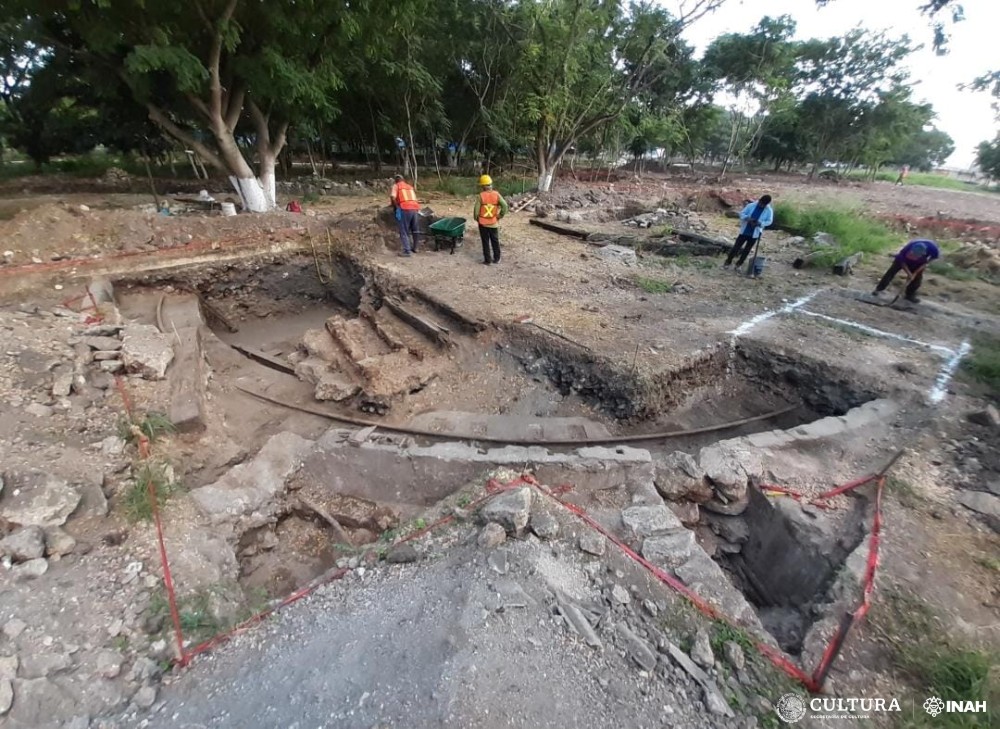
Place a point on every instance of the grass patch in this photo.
(153, 425)
(136, 503)
(950, 270)
(853, 231)
(983, 363)
(904, 491)
(653, 285)
(990, 563)
(935, 663)
(723, 633)
(925, 179)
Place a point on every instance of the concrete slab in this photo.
(472, 425)
(387, 472)
(253, 485)
(182, 320)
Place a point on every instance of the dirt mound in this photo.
(53, 232)
(962, 228)
(978, 256)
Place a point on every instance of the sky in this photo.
(974, 49)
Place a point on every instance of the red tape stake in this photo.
(168, 579)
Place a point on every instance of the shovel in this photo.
(910, 275)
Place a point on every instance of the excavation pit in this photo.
(371, 349)
(366, 346)
(785, 556)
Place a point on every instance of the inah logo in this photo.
(934, 706)
(790, 708)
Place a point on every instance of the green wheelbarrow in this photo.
(448, 233)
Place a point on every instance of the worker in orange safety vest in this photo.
(404, 201)
(489, 209)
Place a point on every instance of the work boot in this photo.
(727, 264)
(876, 293)
(912, 298)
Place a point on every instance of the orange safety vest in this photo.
(489, 208)
(405, 196)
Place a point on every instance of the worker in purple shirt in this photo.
(913, 258)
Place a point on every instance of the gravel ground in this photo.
(449, 642)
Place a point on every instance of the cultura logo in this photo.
(790, 708)
(934, 706)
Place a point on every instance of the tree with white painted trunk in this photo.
(583, 62)
(208, 71)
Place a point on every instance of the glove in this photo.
(399, 213)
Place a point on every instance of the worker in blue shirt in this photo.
(912, 258)
(754, 218)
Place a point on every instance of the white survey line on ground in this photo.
(764, 316)
(940, 388)
(940, 349)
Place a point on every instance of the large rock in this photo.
(30, 570)
(58, 543)
(311, 369)
(510, 510)
(648, 521)
(729, 465)
(701, 650)
(544, 525)
(6, 695)
(639, 650)
(255, 484)
(24, 544)
(988, 416)
(38, 499)
(618, 254)
(335, 386)
(983, 503)
(679, 478)
(669, 550)
(146, 351)
(319, 344)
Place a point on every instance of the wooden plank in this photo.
(264, 358)
(692, 237)
(428, 328)
(560, 229)
(187, 381)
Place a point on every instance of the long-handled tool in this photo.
(753, 258)
(910, 276)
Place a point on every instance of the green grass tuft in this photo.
(934, 663)
(925, 179)
(854, 232)
(136, 502)
(653, 285)
(983, 364)
(950, 270)
(153, 425)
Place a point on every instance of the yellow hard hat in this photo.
(485, 180)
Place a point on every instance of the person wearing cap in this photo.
(912, 258)
(754, 218)
(404, 200)
(490, 207)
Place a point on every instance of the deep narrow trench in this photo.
(784, 557)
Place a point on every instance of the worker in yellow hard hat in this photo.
(490, 208)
